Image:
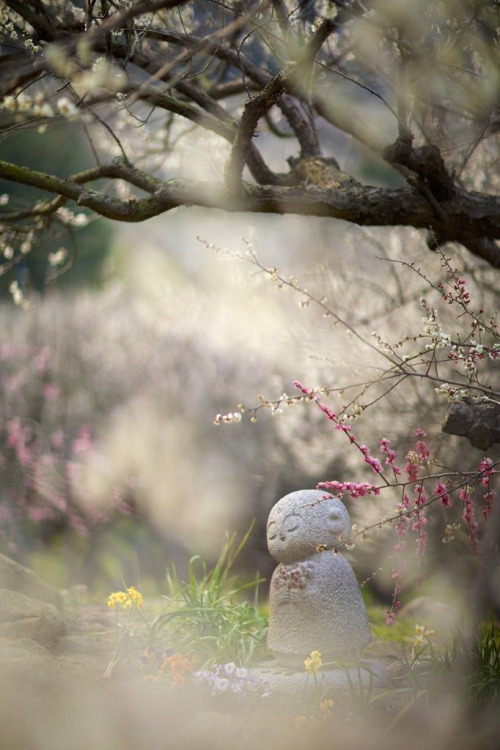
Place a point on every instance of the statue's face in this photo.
(303, 521)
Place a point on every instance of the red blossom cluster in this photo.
(411, 511)
(354, 489)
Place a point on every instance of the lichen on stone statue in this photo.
(315, 600)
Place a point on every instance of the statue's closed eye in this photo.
(271, 531)
(291, 522)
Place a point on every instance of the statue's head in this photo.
(304, 522)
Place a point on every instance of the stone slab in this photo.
(16, 577)
(298, 685)
(25, 617)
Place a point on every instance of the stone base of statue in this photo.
(293, 684)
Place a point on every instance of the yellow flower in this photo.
(135, 598)
(313, 662)
(117, 597)
(422, 635)
(326, 707)
(300, 721)
(130, 597)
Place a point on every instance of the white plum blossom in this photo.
(80, 220)
(66, 107)
(57, 257)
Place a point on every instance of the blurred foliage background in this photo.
(110, 378)
(126, 471)
(61, 150)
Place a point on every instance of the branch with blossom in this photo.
(455, 365)
(411, 511)
(434, 360)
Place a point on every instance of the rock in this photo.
(315, 601)
(477, 421)
(433, 614)
(26, 617)
(25, 661)
(14, 654)
(16, 577)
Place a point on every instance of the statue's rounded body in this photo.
(315, 601)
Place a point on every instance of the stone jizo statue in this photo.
(315, 601)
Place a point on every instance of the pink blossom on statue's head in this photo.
(355, 489)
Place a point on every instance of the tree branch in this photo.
(40, 21)
(300, 125)
(255, 108)
(220, 123)
(469, 212)
(259, 105)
